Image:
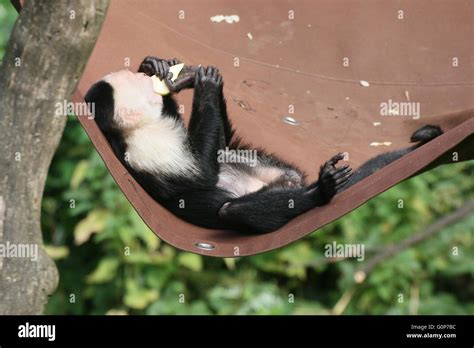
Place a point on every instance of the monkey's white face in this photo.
(136, 104)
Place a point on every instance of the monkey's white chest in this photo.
(160, 148)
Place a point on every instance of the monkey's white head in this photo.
(136, 104)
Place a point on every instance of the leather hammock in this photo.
(305, 80)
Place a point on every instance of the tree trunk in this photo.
(46, 55)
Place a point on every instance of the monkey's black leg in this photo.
(269, 209)
(207, 127)
(266, 210)
(199, 207)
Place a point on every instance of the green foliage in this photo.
(115, 264)
(110, 262)
(8, 16)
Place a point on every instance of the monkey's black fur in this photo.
(420, 137)
(210, 130)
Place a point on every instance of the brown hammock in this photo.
(305, 80)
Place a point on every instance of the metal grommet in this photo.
(205, 246)
(290, 120)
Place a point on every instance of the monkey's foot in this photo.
(332, 179)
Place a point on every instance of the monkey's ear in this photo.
(128, 117)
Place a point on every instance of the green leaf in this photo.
(79, 173)
(93, 223)
(57, 252)
(137, 297)
(105, 271)
(191, 261)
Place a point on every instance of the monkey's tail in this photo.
(420, 137)
(425, 134)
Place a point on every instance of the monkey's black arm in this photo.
(207, 127)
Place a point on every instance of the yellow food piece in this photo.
(159, 86)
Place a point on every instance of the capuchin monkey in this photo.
(180, 167)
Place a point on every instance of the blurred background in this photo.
(87, 242)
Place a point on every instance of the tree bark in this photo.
(46, 55)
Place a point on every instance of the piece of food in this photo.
(384, 143)
(159, 86)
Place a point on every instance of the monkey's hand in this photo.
(157, 66)
(332, 179)
(161, 68)
(208, 82)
